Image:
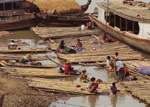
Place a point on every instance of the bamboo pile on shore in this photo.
(60, 32)
(18, 56)
(35, 72)
(38, 50)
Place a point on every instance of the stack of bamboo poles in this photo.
(34, 72)
(39, 50)
(53, 85)
(99, 54)
(18, 56)
(60, 32)
(139, 89)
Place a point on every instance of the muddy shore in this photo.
(17, 93)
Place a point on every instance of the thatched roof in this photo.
(61, 6)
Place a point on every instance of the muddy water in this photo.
(98, 101)
(93, 71)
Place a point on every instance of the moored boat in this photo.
(128, 21)
(15, 14)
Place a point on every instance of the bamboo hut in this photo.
(61, 6)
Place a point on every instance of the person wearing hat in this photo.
(26, 59)
(68, 68)
(83, 76)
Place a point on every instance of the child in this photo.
(113, 88)
(83, 76)
(92, 87)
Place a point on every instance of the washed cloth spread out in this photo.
(143, 70)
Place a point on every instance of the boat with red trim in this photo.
(128, 21)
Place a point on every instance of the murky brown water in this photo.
(78, 101)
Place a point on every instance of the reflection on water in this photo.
(98, 101)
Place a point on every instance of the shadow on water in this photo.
(92, 71)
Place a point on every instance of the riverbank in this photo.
(97, 72)
(17, 93)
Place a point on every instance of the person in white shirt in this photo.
(82, 27)
(108, 62)
(120, 69)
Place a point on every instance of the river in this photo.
(79, 101)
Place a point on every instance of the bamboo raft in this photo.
(99, 55)
(53, 85)
(139, 89)
(48, 66)
(18, 56)
(60, 32)
(35, 72)
(23, 50)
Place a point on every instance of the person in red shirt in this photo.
(127, 73)
(89, 25)
(68, 68)
(105, 38)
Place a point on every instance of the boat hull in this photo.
(141, 44)
(17, 24)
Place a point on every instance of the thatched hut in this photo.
(61, 6)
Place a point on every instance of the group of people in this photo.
(62, 48)
(94, 84)
(89, 26)
(114, 64)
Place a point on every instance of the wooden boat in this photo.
(23, 50)
(62, 20)
(127, 21)
(86, 6)
(14, 14)
(48, 66)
